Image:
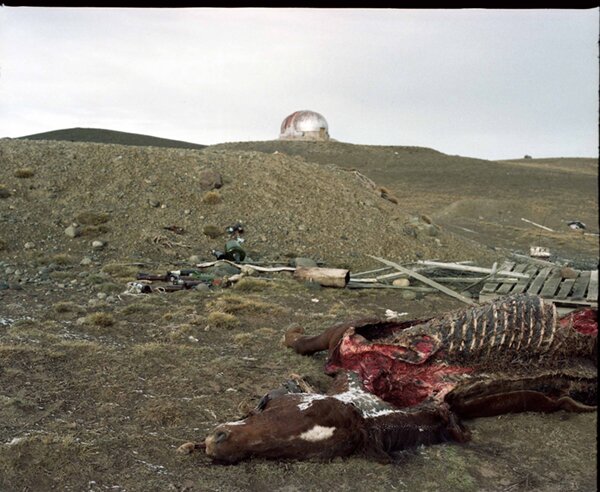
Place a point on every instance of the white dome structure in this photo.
(304, 125)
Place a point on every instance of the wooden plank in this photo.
(530, 270)
(492, 286)
(505, 288)
(565, 288)
(551, 285)
(571, 302)
(581, 285)
(427, 281)
(467, 268)
(538, 282)
(593, 288)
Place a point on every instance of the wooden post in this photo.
(327, 277)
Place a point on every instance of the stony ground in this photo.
(98, 388)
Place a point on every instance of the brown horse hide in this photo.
(402, 384)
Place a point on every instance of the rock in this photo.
(98, 244)
(73, 231)
(16, 286)
(201, 286)
(29, 245)
(401, 282)
(194, 259)
(187, 211)
(209, 179)
(86, 261)
(303, 262)
(9, 271)
(4, 193)
(101, 295)
(111, 299)
(154, 203)
(3, 285)
(18, 273)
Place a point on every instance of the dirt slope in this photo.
(479, 199)
(289, 207)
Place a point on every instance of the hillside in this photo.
(98, 135)
(482, 200)
(289, 207)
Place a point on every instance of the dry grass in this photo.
(138, 308)
(249, 284)
(62, 259)
(100, 319)
(211, 197)
(220, 319)
(24, 172)
(235, 304)
(120, 270)
(67, 307)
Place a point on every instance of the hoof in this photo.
(187, 448)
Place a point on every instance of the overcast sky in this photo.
(492, 84)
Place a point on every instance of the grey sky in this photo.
(481, 83)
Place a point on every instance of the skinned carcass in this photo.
(401, 384)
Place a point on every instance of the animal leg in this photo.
(190, 447)
(516, 401)
(306, 345)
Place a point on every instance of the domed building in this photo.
(304, 125)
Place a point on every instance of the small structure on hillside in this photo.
(304, 125)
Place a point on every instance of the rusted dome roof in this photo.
(304, 121)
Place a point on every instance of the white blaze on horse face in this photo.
(317, 433)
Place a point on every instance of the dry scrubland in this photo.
(98, 388)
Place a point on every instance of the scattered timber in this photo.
(468, 268)
(427, 281)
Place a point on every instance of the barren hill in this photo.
(480, 199)
(126, 196)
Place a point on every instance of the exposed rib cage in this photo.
(522, 325)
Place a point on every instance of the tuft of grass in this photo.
(120, 270)
(234, 304)
(97, 278)
(138, 307)
(62, 259)
(248, 284)
(211, 197)
(100, 319)
(222, 320)
(24, 172)
(67, 307)
(92, 218)
(212, 231)
(108, 288)
(242, 339)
